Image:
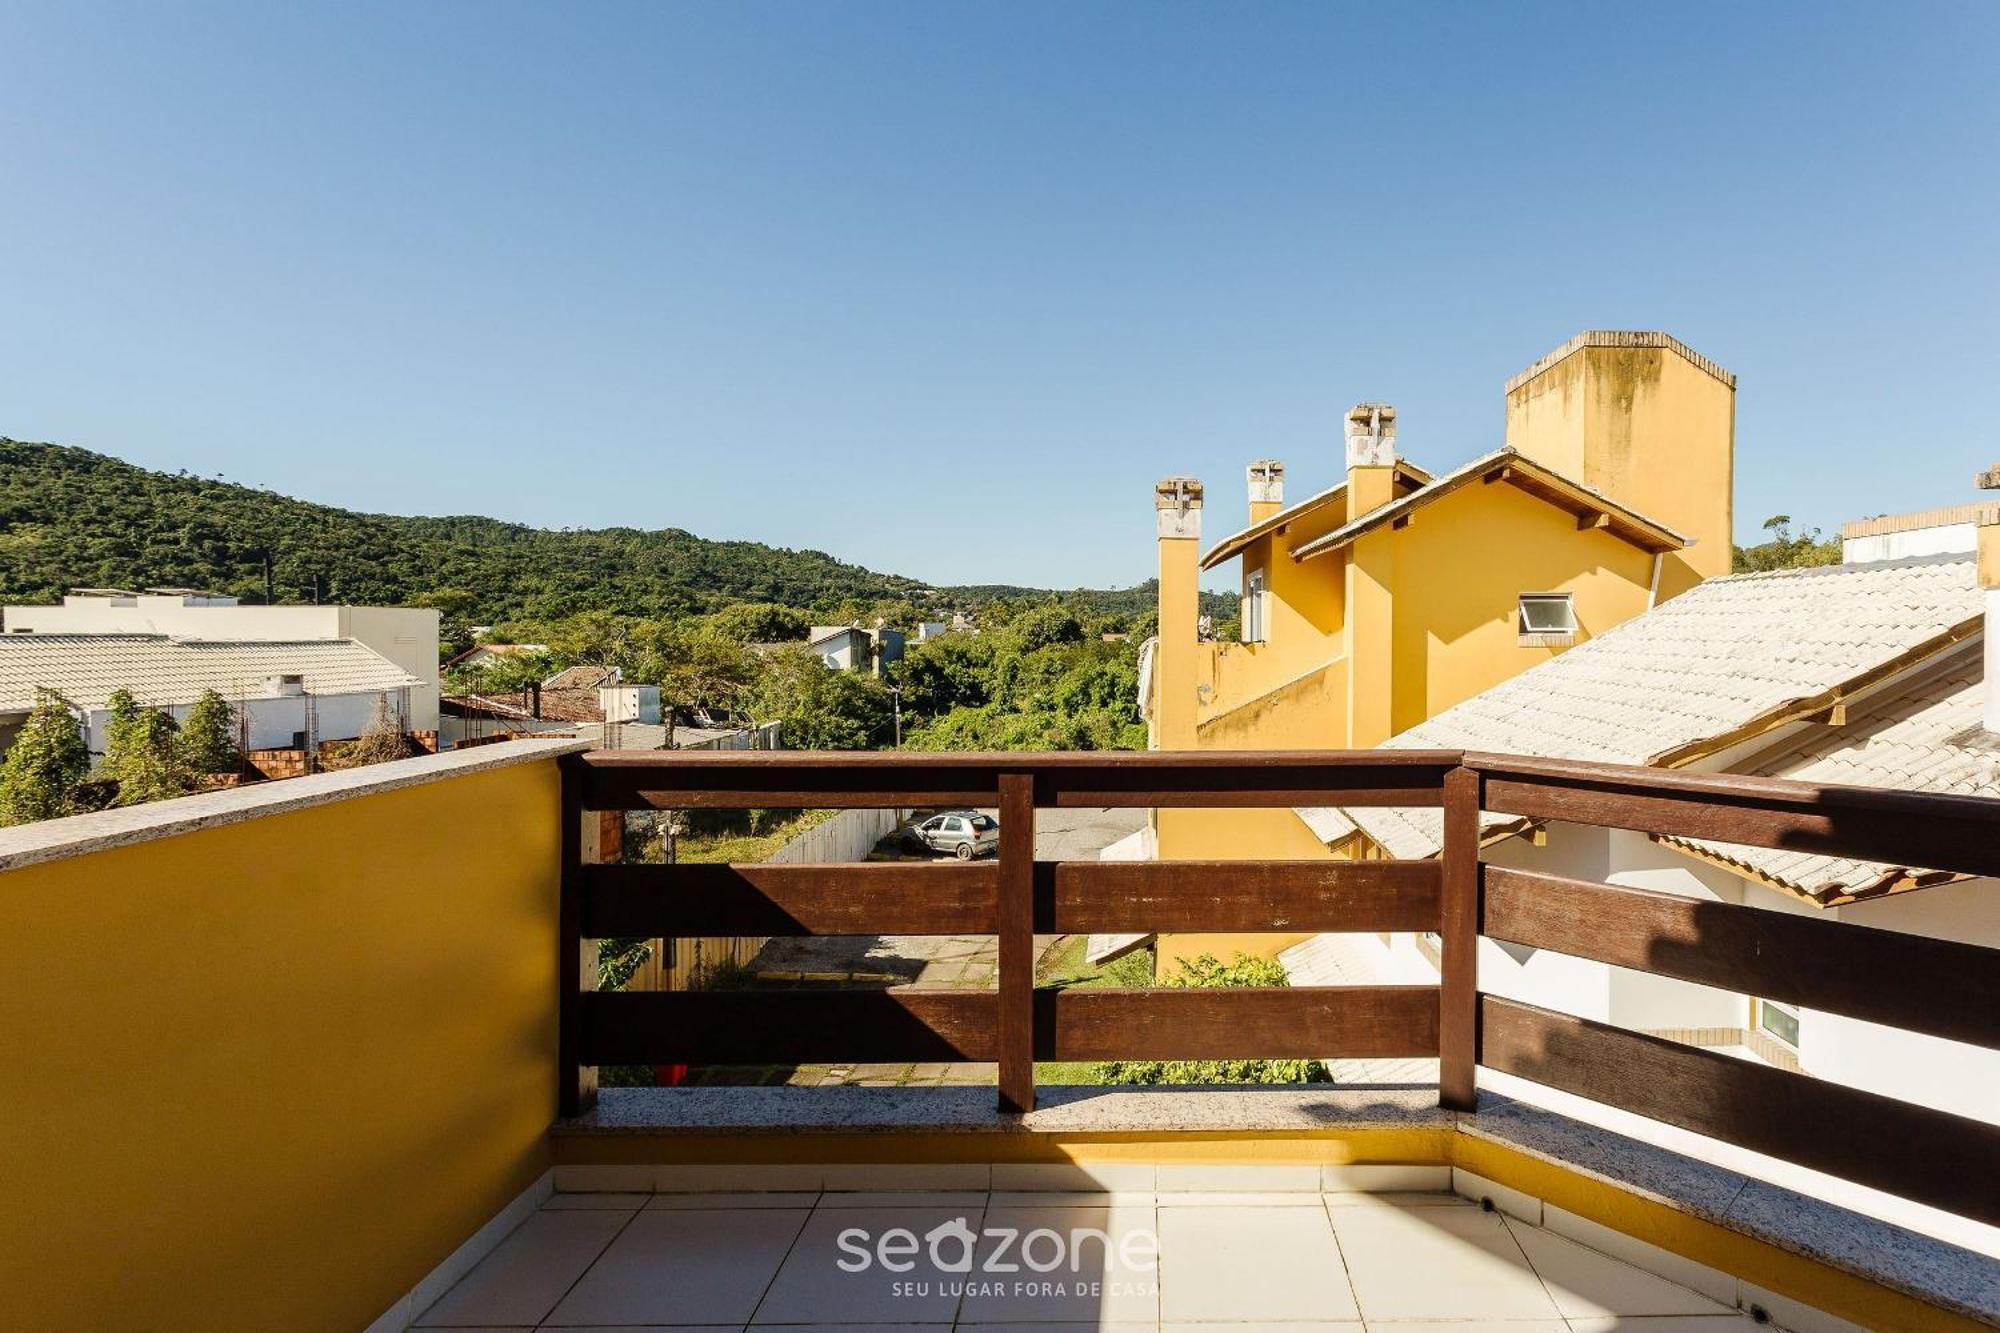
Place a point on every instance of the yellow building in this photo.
(1398, 592)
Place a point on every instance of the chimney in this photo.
(1371, 457)
(1647, 420)
(1177, 514)
(1267, 488)
(1989, 581)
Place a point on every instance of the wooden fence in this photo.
(1938, 987)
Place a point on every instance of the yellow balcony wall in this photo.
(266, 1075)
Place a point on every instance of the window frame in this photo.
(1255, 617)
(1527, 630)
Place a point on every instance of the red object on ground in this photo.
(669, 1076)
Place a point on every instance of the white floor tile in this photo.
(1437, 1263)
(686, 1266)
(1074, 1176)
(1250, 1264)
(1070, 1199)
(1101, 1264)
(1586, 1284)
(703, 1177)
(527, 1273)
(812, 1285)
(1252, 1178)
(915, 1176)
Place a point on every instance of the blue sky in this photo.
(942, 288)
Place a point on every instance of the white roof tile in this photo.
(87, 668)
(1926, 736)
(1713, 659)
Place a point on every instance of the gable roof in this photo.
(1407, 474)
(1542, 482)
(1926, 735)
(1715, 666)
(86, 669)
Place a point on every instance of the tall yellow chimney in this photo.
(1647, 420)
(1368, 633)
(1177, 514)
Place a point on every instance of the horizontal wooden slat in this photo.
(785, 1027)
(1080, 897)
(1928, 830)
(1250, 1023)
(1930, 1156)
(1940, 987)
(787, 779)
(886, 898)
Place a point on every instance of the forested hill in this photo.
(70, 518)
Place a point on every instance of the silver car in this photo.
(963, 833)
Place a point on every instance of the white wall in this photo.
(406, 636)
(848, 836)
(1945, 538)
(274, 723)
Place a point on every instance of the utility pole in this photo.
(896, 711)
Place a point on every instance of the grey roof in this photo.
(1722, 656)
(163, 671)
(1924, 736)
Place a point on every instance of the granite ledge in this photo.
(80, 835)
(971, 1110)
(1935, 1271)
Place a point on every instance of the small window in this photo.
(1253, 607)
(981, 823)
(1780, 1020)
(1547, 613)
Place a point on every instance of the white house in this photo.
(405, 636)
(286, 695)
(1869, 674)
(854, 648)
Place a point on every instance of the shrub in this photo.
(46, 764)
(1208, 970)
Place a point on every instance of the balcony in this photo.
(323, 1054)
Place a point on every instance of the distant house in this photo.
(404, 636)
(855, 648)
(287, 695)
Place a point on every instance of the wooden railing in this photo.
(1938, 987)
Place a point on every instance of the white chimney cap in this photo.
(1371, 435)
(1177, 503)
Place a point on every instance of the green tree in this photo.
(207, 741)
(455, 608)
(819, 708)
(141, 752)
(46, 763)
(1208, 970)
(760, 622)
(1785, 549)
(696, 668)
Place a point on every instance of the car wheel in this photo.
(964, 851)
